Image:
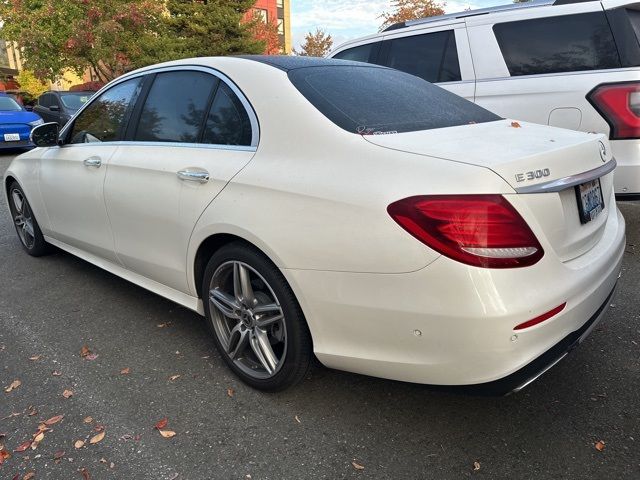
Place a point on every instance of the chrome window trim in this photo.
(558, 74)
(137, 143)
(255, 126)
(571, 181)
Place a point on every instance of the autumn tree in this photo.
(405, 10)
(316, 44)
(111, 36)
(266, 32)
(31, 84)
(199, 28)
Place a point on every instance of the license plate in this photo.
(590, 200)
(11, 137)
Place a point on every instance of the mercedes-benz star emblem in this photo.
(603, 151)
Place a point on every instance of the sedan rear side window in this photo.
(372, 100)
(432, 56)
(103, 120)
(228, 122)
(175, 108)
(567, 43)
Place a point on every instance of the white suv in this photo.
(569, 64)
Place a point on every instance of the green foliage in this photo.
(208, 28)
(116, 36)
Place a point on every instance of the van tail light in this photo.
(619, 104)
(479, 230)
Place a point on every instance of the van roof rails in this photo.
(483, 11)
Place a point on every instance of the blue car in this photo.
(16, 123)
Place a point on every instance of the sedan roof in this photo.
(289, 63)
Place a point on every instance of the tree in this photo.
(199, 28)
(31, 84)
(265, 32)
(111, 36)
(316, 44)
(404, 10)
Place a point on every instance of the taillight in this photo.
(479, 230)
(619, 104)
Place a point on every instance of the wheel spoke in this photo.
(28, 227)
(268, 314)
(262, 348)
(224, 302)
(238, 341)
(17, 201)
(242, 284)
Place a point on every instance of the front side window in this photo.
(73, 101)
(103, 120)
(363, 53)
(175, 108)
(228, 122)
(432, 56)
(567, 43)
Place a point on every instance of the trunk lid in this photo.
(528, 157)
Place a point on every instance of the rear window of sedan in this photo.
(374, 101)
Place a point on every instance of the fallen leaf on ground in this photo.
(54, 420)
(97, 438)
(87, 419)
(23, 446)
(84, 351)
(35, 358)
(515, 125)
(476, 466)
(32, 411)
(98, 427)
(163, 325)
(29, 476)
(56, 373)
(174, 377)
(4, 455)
(162, 423)
(67, 393)
(297, 419)
(57, 457)
(15, 384)
(103, 460)
(79, 444)
(167, 433)
(357, 466)
(125, 371)
(231, 392)
(85, 473)
(39, 437)
(600, 445)
(91, 356)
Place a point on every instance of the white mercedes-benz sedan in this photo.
(351, 211)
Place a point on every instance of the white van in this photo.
(568, 63)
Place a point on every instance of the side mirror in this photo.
(45, 135)
(54, 108)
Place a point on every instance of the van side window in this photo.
(566, 43)
(364, 53)
(432, 56)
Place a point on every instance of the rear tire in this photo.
(24, 220)
(256, 321)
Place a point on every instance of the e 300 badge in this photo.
(532, 175)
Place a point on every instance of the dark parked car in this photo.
(60, 106)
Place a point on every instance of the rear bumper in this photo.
(531, 372)
(453, 325)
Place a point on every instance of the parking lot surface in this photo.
(150, 359)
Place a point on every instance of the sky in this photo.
(347, 19)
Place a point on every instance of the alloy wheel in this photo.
(23, 219)
(248, 319)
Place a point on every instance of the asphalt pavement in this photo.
(150, 359)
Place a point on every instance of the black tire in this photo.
(297, 356)
(32, 240)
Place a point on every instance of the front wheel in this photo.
(256, 321)
(25, 222)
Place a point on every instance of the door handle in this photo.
(92, 162)
(200, 176)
